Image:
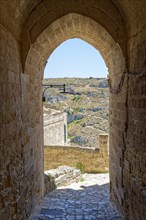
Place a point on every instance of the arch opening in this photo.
(86, 100)
(67, 27)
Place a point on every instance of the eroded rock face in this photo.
(117, 29)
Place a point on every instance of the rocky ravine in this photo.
(86, 103)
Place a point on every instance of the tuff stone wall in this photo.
(10, 132)
(127, 150)
(21, 154)
(128, 131)
(93, 160)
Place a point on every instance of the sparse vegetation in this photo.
(80, 166)
(82, 179)
(69, 112)
(72, 138)
(86, 106)
(76, 98)
(77, 121)
(79, 109)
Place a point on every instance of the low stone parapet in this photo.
(88, 159)
(62, 176)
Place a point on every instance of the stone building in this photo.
(55, 127)
(29, 33)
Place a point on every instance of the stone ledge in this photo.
(62, 176)
(91, 149)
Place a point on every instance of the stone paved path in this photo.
(86, 200)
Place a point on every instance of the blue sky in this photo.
(75, 58)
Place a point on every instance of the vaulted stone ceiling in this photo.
(131, 10)
(27, 19)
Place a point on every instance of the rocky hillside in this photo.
(86, 103)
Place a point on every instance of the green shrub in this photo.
(77, 121)
(82, 179)
(72, 138)
(76, 98)
(69, 112)
(80, 166)
(78, 109)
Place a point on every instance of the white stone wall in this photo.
(54, 132)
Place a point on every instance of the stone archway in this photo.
(70, 26)
(21, 25)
